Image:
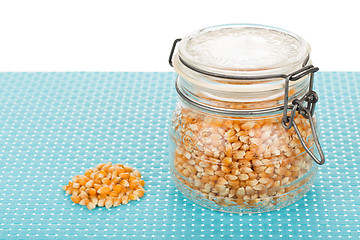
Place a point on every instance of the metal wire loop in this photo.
(172, 50)
(315, 137)
(288, 121)
(307, 112)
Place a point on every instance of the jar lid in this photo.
(243, 49)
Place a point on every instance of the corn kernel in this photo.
(106, 166)
(88, 173)
(104, 190)
(133, 197)
(83, 195)
(124, 183)
(139, 192)
(142, 183)
(124, 175)
(84, 201)
(101, 202)
(125, 200)
(106, 181)
(109, 203)
(117, 202)
(131, 178)
(118, 188)
(128, 168)
(75, 198)
(91, 205)
(137, 174)
(133, 184)
(94, 199)
(113, 194)
(89, 184)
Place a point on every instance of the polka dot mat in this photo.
(56, 125)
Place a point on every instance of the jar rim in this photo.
(193, 54)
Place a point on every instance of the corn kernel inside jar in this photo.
(229, 149)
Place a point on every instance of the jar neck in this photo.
(253, 94)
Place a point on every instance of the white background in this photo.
(131, 35)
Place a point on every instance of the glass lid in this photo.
(243, 49)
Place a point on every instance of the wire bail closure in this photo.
(287, 122)
(307, 111)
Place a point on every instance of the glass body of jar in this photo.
(229, 150)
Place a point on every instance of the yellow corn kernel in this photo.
(69, 190)
(227, 161)
(116, 179)
(75, 191)
(108, 175)
(117, 202)
(120, 170)
(100, 174)
(142, 183)
(83, 195)
(97, 186)
(82, 182)
(97, 181)
(65, 187)
(133, 184)
(92, 191)
(94, 199)
(133, 197)
(124, 175)
(109, 203)
(106, 166)
(102, 196)
(82, 188)
(104, 190)
(118, 188)
(112, 169)
(101, 202)
(125, 200)
(128, 168)
(124, 183)
(84, 201)
(89, 184)
(131, 178)
(106, 181)
(124, 191)
(91, 205)
(88, 173)
(113, 194)
(100, 165)
(75, 198)
(136, 173)
(139, 192)
(85, 178)
(76, 178)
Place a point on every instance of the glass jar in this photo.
(243, 135)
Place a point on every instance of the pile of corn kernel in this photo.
(243, 161)
(107, 185)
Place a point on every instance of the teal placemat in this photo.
(56, 125)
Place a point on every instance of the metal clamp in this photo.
(172, 50)
(307, 111)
